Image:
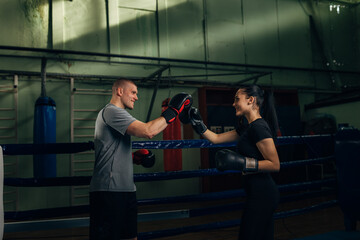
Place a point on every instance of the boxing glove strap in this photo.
(169, 115)
(251, 165)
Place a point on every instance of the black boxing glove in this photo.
(177, 104)
(144, 157)
(184, 116)
(226, 159)
(196, 121)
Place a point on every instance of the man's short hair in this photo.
(121, 83)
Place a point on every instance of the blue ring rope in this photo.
(142, 177)
(68, 148)
(223, 224)
(56, 212)
(202, 143)
(229, 223)
(236, 193)
(238, 206)
(59, 148)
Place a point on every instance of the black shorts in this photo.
(113, 215)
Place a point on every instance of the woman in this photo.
(256, 156)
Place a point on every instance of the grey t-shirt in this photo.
(113, 170)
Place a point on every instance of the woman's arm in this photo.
(216, 138)
(268, 150)
(193, 116)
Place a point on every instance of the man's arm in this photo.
(177, 104)
(147, 130)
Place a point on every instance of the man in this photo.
(113, 207)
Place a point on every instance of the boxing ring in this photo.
(26, 220)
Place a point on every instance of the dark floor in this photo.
(309, 224)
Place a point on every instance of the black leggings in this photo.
(257, 221)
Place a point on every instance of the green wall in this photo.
(265, 32)
(343, 113)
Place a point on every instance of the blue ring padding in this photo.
(230, 223)
(141, 177)
(63, 148)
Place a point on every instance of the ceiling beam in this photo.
(353, 2)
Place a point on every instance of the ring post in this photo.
(1, 194)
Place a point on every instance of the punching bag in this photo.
(44, 131)
(172, 157)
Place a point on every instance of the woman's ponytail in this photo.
(268, 112)
(266, 103)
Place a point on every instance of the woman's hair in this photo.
(265, 102)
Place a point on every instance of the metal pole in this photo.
(159, 73)
(57, 51)
(43, 77)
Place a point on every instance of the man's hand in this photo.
(177, 104)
